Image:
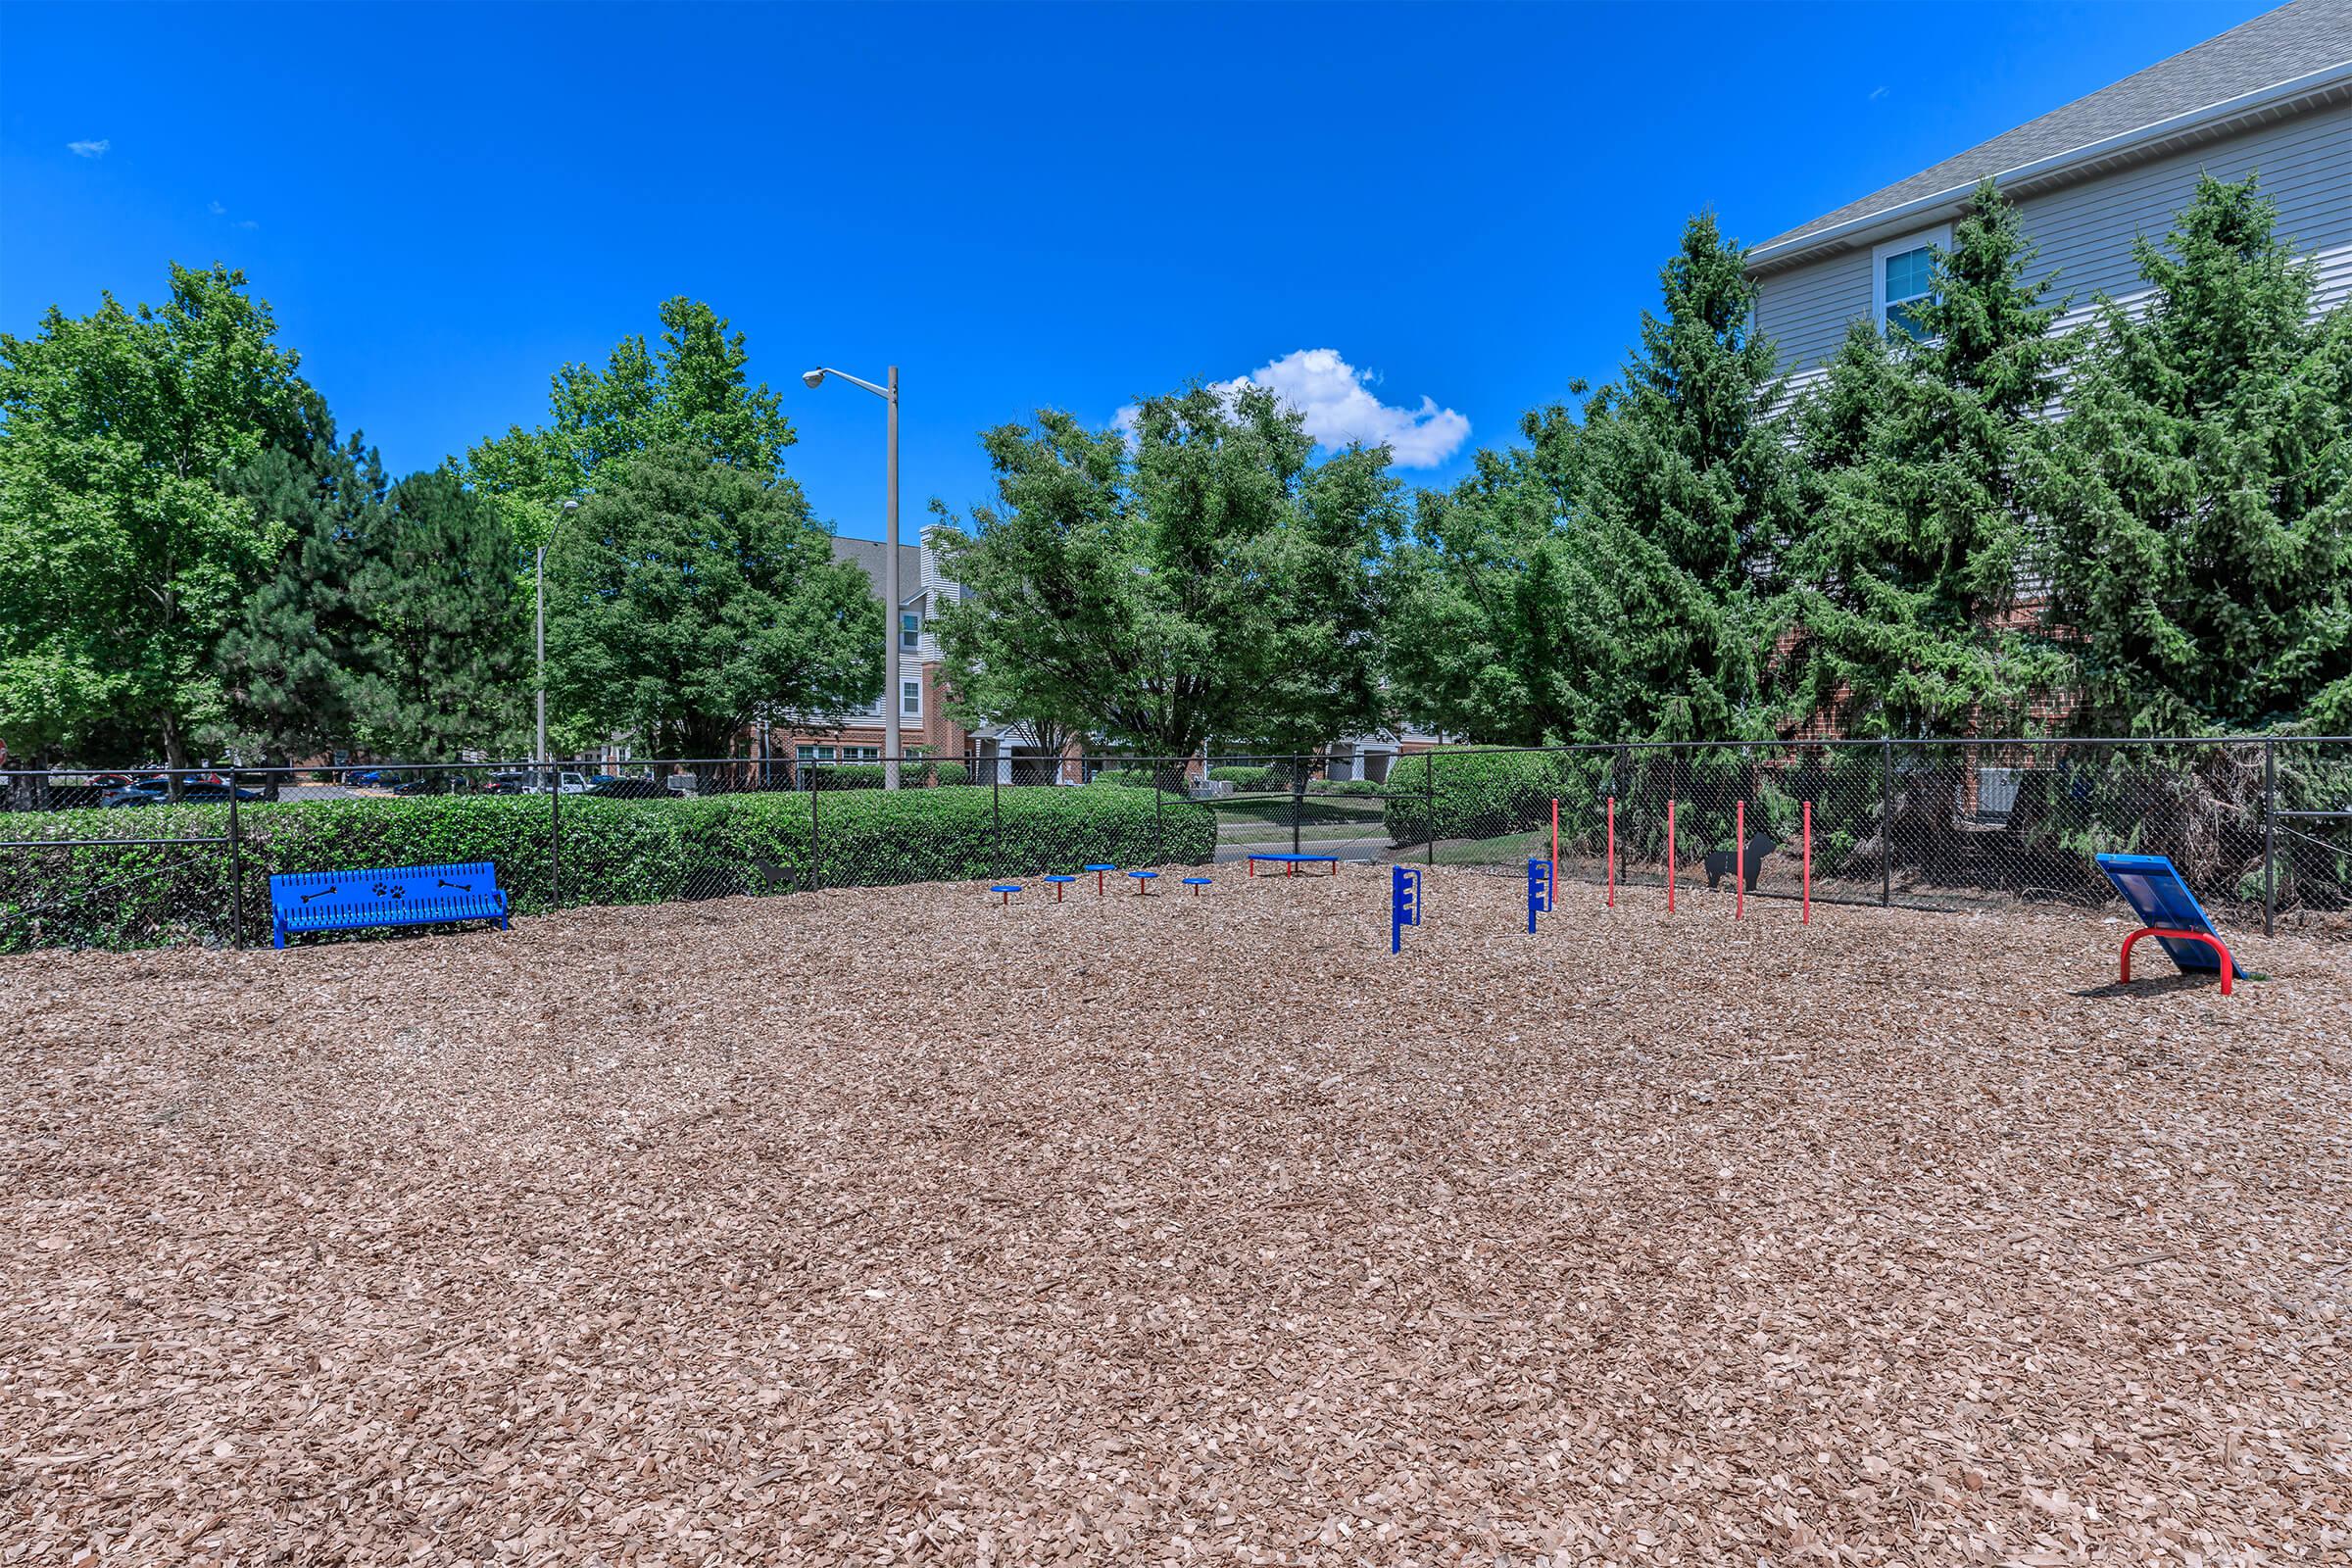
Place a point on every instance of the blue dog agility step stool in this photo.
(304, 902)
(2171, 913)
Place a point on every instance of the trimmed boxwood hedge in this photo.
(613, 850)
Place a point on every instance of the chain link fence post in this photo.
(2270, 826)
(236, 868)
(1429, 857)
(1886, 822)
(816, 779)
(555, 838)
(1297, 799)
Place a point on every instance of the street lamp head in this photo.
(571, 506)
(814, 378)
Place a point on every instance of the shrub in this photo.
(1478, 795)
(1343, 786)
(613, 850)
(1247, 779)
(1136, 778)
(852, 775)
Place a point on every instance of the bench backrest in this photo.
(407, 895)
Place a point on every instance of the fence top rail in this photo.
(786, 762)
(1874, 743)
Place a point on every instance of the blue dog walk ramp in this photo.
(2153, 886)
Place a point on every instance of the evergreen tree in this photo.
(442, 650)
(291, 663)
(1923, 450)
(2199, 499)
(1609, 581)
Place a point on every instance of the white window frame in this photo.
(1940, 236)
(911, 638)
(910, 685)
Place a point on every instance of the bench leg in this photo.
(2219, 952)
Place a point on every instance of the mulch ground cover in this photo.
(895, 1227)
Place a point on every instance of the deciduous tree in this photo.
(123, 554)
(1202, 576)
(694, 594)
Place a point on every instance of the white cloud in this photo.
(90, 149)
(1339, 406)
(247, 223)
(217, 210)
(1877, 93)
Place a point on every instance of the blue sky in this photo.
(1066, 206)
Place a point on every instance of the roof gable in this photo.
(2280, 46)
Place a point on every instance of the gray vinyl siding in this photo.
(2086, 232)
(1805, 312)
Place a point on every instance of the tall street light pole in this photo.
(569, 507)
(891, 700)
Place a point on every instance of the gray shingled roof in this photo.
(2276, 46)
(866, 555)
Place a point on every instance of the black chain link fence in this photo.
(2260, 829)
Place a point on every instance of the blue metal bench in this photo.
(1291, 861)
(303, 902)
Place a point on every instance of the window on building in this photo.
(910, 697)
(1905, 280)
(910, 632)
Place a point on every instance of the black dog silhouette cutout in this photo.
(1719, 862)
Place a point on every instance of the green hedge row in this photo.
(913, 775)
(612, 852)
(1478, 795)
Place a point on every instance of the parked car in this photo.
(215, 793)
(507, 784)
(130, 795)
(568, 782)
(628, 789)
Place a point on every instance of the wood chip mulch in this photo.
(893, 1227)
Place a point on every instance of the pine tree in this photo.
(291, 663)
(1922, 449)
(2199, 498)
(442, 644)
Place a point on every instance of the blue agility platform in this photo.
(304, 902)
(1404, 902)
(2171, 914)
(1538, 892)
(1291, 861)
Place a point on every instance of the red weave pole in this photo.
(1670, 854)
(1612, 852)
(1808, 914)
(1739, 860)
